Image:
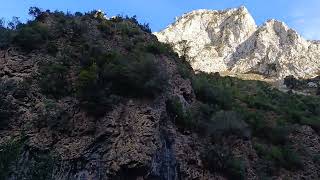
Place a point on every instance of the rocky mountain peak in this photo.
(229, 40)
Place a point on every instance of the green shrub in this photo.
(144, 27)
(9, 154)
(41, 166)
(54, 116)
(226, 123)
(7, 108)
(54, 80)
(260, 102)
(184, 69)
(5, 37)
(181, 116)
(78, 28)
(292, 160)
(236, 169)
(127, 28)
(135, 76)
(314, 123)
(158, 48)
(219, 159)
(275, 134)
(106, 27)
(95, 96)
(316, 159)
(52, 48)
(280, 156)
(110, 75)
(31, 36)
(278, 134)
(210, 92)
(291, 82)
(88, 80)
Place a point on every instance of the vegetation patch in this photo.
(9, 154)
(54, 80)
(220, 160)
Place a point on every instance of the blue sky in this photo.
(303, 16)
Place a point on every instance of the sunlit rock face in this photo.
(229, 40)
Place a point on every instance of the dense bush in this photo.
(180, 115)
(37, 166)
(31, 36)
(126, 28)
(316, 159)
(291, 82)
(9, 153)
(5, 37)
(78, 28)
(280, 156)
(219, 159)
(144, 27)
(7, 108)
(52, 48)
(106, 28)
(54, 80)
(95, 96)
(135, 75)
(6, 111)
(226, 123)
(210, 92)
(40, 166)
(54, 116)
(158, 48)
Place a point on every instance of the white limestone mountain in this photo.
(230, 41)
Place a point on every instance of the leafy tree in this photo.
(35, 12)
(14, 23)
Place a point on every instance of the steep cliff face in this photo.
(229, 40)
(50, 134)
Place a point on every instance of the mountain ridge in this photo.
(230, 40)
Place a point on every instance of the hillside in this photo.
(85, 97)
(229, 40)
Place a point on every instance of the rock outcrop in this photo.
(229, 40)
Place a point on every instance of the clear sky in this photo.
(301, 15)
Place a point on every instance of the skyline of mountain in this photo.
(301, 16)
